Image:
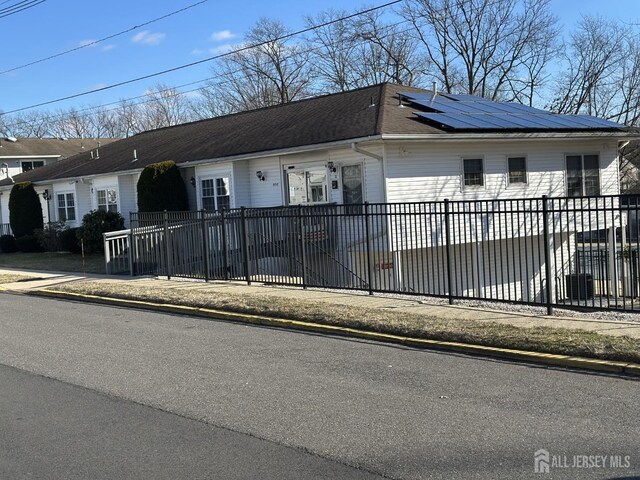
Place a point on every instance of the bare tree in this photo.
(164, 106)
(361, 51)
(497, 49)
(269, 71)
(333, 49)
(387, 52)
(596, 68)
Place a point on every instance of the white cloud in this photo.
(148, 38)
(222, 35)
(197, 51)
(108, 47)
(221, 49)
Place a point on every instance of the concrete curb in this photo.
(609, 366)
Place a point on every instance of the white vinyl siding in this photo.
(431, 171)
(128, 201)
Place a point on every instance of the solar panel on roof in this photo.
(455, 96)
(447, 120)
(471, 112)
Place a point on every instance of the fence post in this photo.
(205, 244)
(369, 265)
(447, 224)
(547, 254)
(245, 244)
(167, 247)
(132, 254)
(107, 254)
(303, 255)
(223, 233)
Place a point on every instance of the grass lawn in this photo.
(10, 278)
(53, 261)
(541, 339)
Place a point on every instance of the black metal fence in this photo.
(579, 252)
(5, 229)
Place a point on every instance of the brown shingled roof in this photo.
(329, 118)
(365, 112)
(23, 147)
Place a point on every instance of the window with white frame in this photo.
(30, 165)
(107, 199)
(66, 207)
(517, 170)
(307, 186)
(473, 172)
(215, 194)
(583, 175)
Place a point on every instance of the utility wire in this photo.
(199, 62)
(147, 99)
(104, 39)
(17, 8)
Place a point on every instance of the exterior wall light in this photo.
(260, 176)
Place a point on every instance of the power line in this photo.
(199, 62)
(104, 39)
(16, 6)
(50, 118)
(19, 7)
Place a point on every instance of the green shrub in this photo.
(25, 211)
(69, 240)
(28, 244)
(94, 224)
(49, 236)
(8, 244)
(161, 187)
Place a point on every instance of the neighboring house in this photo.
(20, 155)
(381, 144)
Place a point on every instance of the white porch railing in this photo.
(117, 252)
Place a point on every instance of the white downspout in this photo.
(6, 165)
(356, 148)
(396, 254)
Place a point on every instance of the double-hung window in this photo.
(30, 165)
(517, 170)
(215, 194)
(66, 207)
(107, 200)
(583, 175)
(473, 172)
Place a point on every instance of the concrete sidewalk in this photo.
(605, 326)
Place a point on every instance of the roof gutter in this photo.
(246, 156)
(509, 136)
(283, 151)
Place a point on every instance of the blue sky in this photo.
(59, 25)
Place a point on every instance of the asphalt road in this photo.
(52, 430)
(395, 411)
